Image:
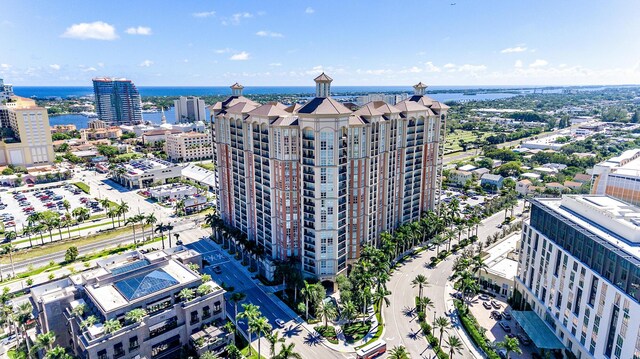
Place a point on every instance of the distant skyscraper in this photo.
(189, 109)
(117, 101)
(6, 91)
(319, 181)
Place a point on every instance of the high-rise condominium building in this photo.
(26, 135)
(6, 91)
(619, 177)
(189, 109)
(579, 272)
(318, 181)
(117, 101)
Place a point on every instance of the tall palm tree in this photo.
(66, 205)
(81, 214)
(28, 230)
(251, 312)
(326, 311)
(57, 353)
(261, 327)
(177, 237)
(149, 220)
(161, 227)
(45, 341)
(132, 221)
(380, 296)
(455, 345)
(306, 294)
(105, 203)
(8, 248)
(123, 209)
(113, 213)
(443, 324)
(420, 281)
(286, 352)
(399, 352)
(236, 297)
(510, 345)
(169, 228)
(425, 303)
(273, 339)
(349, 311)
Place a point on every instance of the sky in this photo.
(287, 43)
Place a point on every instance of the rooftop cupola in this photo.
(419, 88)
(323, 85)
(236, 89)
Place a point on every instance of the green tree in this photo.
(71, 254)
(273, 339)
(420, 281)
(45, 341)
(286, 352)
(399, 352)
(233, 352)
(326, 311)
(186, 294)
(442, 323)
(112, 325)
(251, 312)
(236, 298)
(261, 327)
(57, 353)
(455, 345)
(135, 315)
(510, 345)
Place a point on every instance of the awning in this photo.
(537, 330)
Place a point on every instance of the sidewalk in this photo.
(457, 326)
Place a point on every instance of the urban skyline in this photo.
(255, 44)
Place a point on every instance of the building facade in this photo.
(6, 91)
(26, 135)
(143, 173)
(579, 271)
(189, 109)
(619, 177)
(318, 181)
(149, 281)
(117, 101)
(190, 146)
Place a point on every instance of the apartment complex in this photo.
(189, 109)
(579, 272)
(117, 101)
(318, 181)
(190, 146)
(619, 177)
(6, 91)
(149, 281)
(26, 135)
(144, 172)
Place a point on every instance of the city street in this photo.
(401, 323)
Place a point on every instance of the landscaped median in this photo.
(83, 186)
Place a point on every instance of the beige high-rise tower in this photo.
(317, 182)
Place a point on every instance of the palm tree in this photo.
(186, 294)
(177, 237)
(399, 352)
(180, 206)
(425, 303)
(149, 220)
(443, 324)
(237, 297)
(45, 341)
(50, 220)
(57, 353)
(233, 352)
(230, 328)
(113, 213)
(455, 345)
(132, 221)
(251, 312)
(66, 205)
(135, 315)
(8, 248)
(380, 296)
(204, 289)
(123, 209)
(111, 326)
(208, 355)
(510, 345)
(421, 281)
(28, 230)
(168, 228)
(286, 352)
(260, 326)
(105, 203)
(307, 294)
(349, 311)
(161, 228)
(91, 320)
(326, 311)
(273, 338)
(81, 214)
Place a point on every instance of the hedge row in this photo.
(426, 331)
(471, 327)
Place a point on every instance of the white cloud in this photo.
(140, 30)
(90, 69)
(223, 51)
(55, 67)
(464, 68)
(449, 66)
(204, 14)
(5, 66)
(275, 64)
(264, 33)
(97, 30)
(430, 67)
(100, 64)
(539, 63)
(241, 56)
(146, 63)
(510, 50)
(518, 63)
(236, 18)
(309, 10)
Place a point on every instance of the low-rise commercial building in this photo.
(190, 146)
(172, 191)
(459, 177)
(88, 311)
(579, 271)
(491, 181)
(619, 177)
(199, 175)
(502, 267)
(142, 173)
(111, 133)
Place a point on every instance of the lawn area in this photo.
(453, 139)
(328, 332)
(356, 330)
(207, 166)
(83, 186)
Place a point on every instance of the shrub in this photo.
(421, 316)
(83, 186)
(426, 328)
(470, 325)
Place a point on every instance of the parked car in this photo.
(280, 322)
(524, 340)
(217, 270)
(506, 315)
(486, 305)
(506, 327)
(484, 297)
(496, 315)
(496, 304)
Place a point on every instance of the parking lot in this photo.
(18, 205)
(470, 200)
(490, 313)
(232, 274)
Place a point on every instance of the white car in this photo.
(280, 322)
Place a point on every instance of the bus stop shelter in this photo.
(537, 330)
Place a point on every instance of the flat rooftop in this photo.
(497, 258)
(613, 220)
(141, 283)
(136, 167)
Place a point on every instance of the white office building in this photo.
(189, 109)
(579, 272)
